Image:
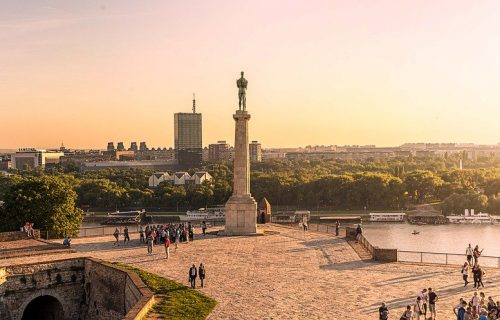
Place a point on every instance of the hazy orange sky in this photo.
(319, 72)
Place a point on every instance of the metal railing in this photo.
(444, 258)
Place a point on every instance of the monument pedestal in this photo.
(241, 215)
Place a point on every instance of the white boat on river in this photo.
(202, 214)
(472, 218)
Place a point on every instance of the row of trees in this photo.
(329, 184)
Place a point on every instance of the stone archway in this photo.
(44, 307)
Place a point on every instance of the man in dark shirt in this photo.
(432, 303)
(192, 276)
(383, 312)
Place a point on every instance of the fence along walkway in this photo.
(444, 258)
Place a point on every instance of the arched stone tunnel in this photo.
(43, 308)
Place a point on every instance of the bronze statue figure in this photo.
(242, 88)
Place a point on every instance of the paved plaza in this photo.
(289, 274)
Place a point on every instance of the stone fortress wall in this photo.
(18, 235)
(86, 288)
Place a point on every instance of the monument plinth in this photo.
(241, 208)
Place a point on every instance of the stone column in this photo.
(241, 161)
(241, 208)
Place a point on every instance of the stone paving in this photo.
(290, 274)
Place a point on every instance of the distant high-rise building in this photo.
(111, 146)
(120, 146)
(133, 146)
(188, 138)
(218, 151)
(255, 151)
(143, 146)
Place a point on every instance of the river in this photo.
(449, 238)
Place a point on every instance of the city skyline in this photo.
(332, 73)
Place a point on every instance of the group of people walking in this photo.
(472, 266)
(478, 307)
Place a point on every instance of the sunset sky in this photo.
(319, 72)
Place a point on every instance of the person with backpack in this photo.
(383, 312)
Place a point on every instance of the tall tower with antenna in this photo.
(194, 104)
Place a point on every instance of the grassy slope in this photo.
(181, 302)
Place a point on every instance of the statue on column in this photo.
(242, 89)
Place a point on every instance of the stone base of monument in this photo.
(241, 217)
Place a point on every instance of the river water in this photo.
(449, 238)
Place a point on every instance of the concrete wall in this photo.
(378, 254)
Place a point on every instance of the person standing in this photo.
(475, 302)
(116, 234)
(204, 227)
(461, 311)
(201, 274)
(337, 228)
(477, 273)
(359, 232)
(126, 236)
(469, 253)
(177, 238)
(192, 276)
(383, 312)
(149, 241)
(476, 254)
(141, 235)
(424, 297)
(167, 247)
(418, 308)
(432, 303)
(465, 273)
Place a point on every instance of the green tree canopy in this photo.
(422, 185)
(46, 201)
(457, 203)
